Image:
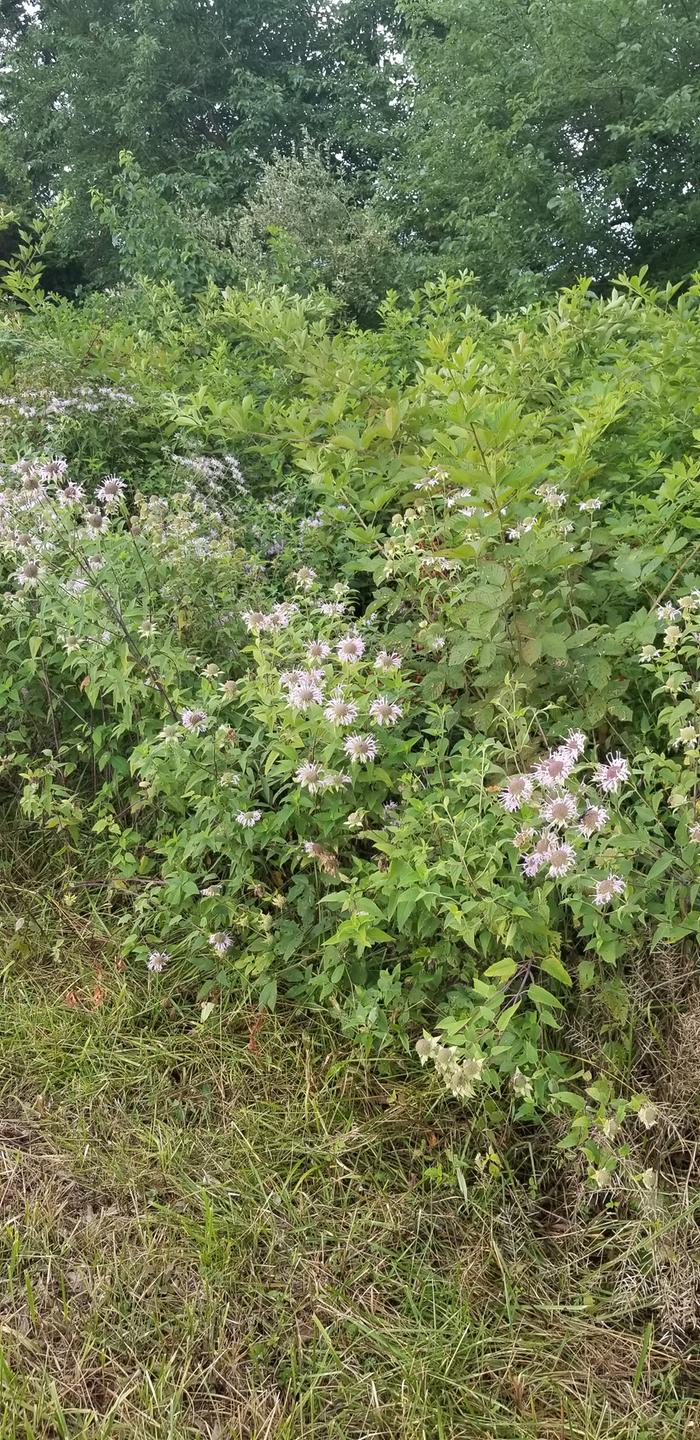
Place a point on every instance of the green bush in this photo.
(351, 684)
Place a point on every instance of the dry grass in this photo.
(204, 1239)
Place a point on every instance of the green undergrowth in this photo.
(237, 1229)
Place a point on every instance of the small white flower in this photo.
(560, 810)
(350, 649)
(195, 721)
(69, 495)
(304, 695)
(310, 776)
(588, 505)
(339, 711)
(111, 491)
(384, 711)
(305, 577)
(360, 748)
(220, 941)
(388, 660)
(255, 620)
(29, 573)
(516, 792)
(555, 769)
(606, 891)
(248, 818)
(594, 818)
(575, 743)
(648, 1114)
(317, 650)
(611, 775)
(562, 858)
(157, 960)
(96, 522)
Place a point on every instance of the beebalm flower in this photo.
(610, 776)
(516, 792)
(523, 837)
(310, 776)
(23, 467)
(248, 818)
(562, 858)
(281, 615)
(32, 486)
(228, 779)
(360, 749)
(29, 573)
(335, 779)
(575, 743)
(327, 860)
(350, 649)
(555, 769)
(228, 689)
(648, 653)
(331, 607)
(208, 892)
(339, 711)
(560, 810)
(384, 711)
(96, 522)
(552, 497)
(667, 613)
(427, 1048)
(70, 494)
(586, 506)
(694, 833)
(111, 491)
(305, 577)
(522, 528)
(688, 736)
(220, 941)
(171, 734)
(608, 890)
(157, 960)
(594, 818)
(388, 660)
(255, 620)
(304, 695)
(672, 635)
(539, 857)
(317, 650)
(195, 721)
(648, 1115)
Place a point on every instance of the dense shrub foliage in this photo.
(363, 667)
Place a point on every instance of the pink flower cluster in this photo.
(565, 812)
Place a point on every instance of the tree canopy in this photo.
(530, 141)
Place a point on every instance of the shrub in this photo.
(376, 712)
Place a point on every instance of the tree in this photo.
(201, 92)
(551, 138)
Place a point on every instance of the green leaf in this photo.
(502, 970)
(552, 965)
(543, 997)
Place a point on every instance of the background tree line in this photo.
(361, 144)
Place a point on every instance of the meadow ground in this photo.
(245, 1232)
